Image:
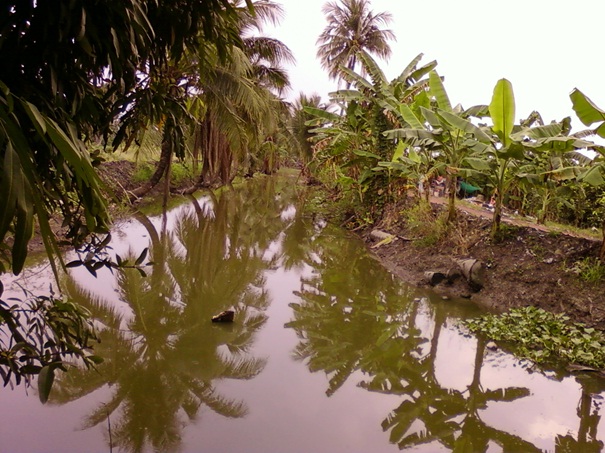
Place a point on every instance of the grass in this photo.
(423, 224)
(590, 270)
(179, 172)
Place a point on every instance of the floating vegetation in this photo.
(541, 336)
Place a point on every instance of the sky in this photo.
(545, 48)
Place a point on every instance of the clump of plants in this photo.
(540, 336)
(179, 172)
(423, 224)
(591, 270)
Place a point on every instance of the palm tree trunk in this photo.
(162, 167)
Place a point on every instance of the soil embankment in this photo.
(530, 266)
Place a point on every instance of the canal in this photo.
(328, 352)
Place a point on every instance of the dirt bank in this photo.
(531, 266)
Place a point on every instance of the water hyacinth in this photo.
(541, 336)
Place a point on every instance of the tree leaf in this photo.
(464, 125)
(8, 201)
(502, 110)
(45, 382)
(593, 176)
(142, 256)
(438, 91)
(586, 110)
(35, 116)
(361, 153)
(477, 163)
(409, 117)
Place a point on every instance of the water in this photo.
(328, 352)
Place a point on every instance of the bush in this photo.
(429, 228)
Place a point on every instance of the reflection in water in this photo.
(352, 318)
(163, 359)
(588, 412)
(400, 372)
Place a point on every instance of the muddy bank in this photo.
(529, 267)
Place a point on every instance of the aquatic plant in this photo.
(541, 336)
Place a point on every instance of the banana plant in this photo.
(447, 131)
(590, 114)
(354, 139)
(517, 151)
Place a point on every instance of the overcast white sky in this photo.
(544, 47)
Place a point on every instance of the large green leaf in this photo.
(502, 110)
(593, 176)
(320, 114)
(409, 134)
(370, 66)
(478, 111)
(355, 78)
(346, 95)
(399, 151)
(409, 117)
(438, 91)
(406, 73)
(464, 125)
(587, 111)
(549, 130)
(478, 163)
(361, 153)
(514, 151)
(8, 201)
(431, 118)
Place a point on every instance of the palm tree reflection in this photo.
(162, 354)
(353, 318)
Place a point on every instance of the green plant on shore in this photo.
(179, 172)
(590, 270)
(541, 336)
(505, 231)
(429, 228)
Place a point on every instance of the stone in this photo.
(224, 316)
(491, 346)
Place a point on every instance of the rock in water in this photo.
(224, 316)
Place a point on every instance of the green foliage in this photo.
(45, 334)
(143, 172)
(506, 231)
(590, 270)
(424, 225)
(541, 336)
(352, 28)
(179, 172)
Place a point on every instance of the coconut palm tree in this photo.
(352, 27)
(231, 101)
(301, 129)
(239, 99)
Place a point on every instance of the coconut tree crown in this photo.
(352, 27)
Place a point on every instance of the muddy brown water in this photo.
(328, 352)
